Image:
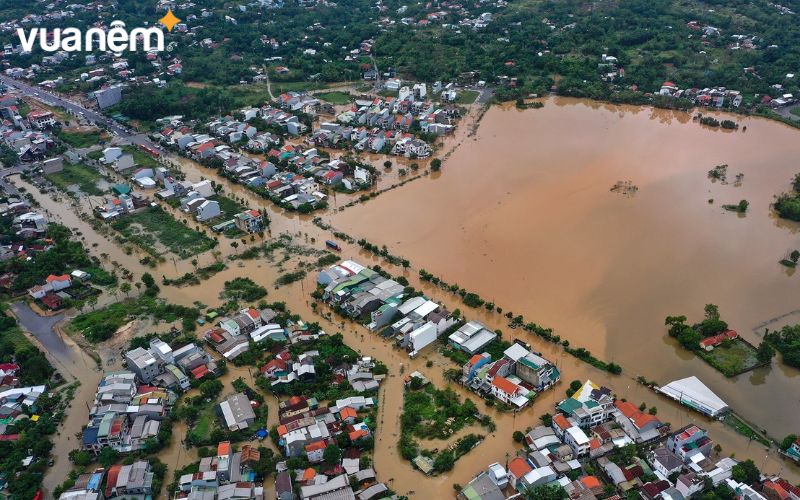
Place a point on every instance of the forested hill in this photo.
(750, 46)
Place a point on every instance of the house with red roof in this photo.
(275, 368)
(508, 392)
(315, 451)
(517, 469)
(348, 414)
(52, 301)
(53, 283)
(709, 343)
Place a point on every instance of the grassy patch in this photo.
(745, 430)
(795, 111)
(155, 225)
(83, 176)
(100, 325)
(431, 413)
(140, 157)
(243, 288)
(81, 139)
(731, 358)
(467, 96)
(206, 421)
(16, 337)
(296, 86)
(334, 97)
(227, 206)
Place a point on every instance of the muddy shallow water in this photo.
(524, 215)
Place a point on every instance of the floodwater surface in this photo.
(524, 215)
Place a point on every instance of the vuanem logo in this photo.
(117, 39)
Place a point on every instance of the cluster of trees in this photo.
(787, 342)
(242, 289)
(788, 204)
(426, 411)
(65, 255)
(100, 325)
(34, 367)
(690, 336)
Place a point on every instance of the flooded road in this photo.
(524, 215)
(74, 365)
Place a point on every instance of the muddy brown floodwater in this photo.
(523, 215)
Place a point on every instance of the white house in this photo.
(207, 210)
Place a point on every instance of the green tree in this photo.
(518, 436)
(444, 461)
(332, 455)
(765, 352)
(547, 419)
(745, 472)
(787, 441)
(210, 389)
(108, 457)
(80, 458)
(545, 492)
(436, 164)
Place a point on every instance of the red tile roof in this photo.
(318, 445)
(505, 385)
(591, 482)
(224, 448)
(474, 359)
(562, 422)
(111, 479)
(519, 467)
(347, 412)
(718, 339)
(356, 435)
(200, 371)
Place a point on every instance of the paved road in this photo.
(41, 327)
(77, 109)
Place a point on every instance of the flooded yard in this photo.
(526, 215)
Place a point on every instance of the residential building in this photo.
(689, 441)
(472, 337)
(237, 412)
(249, 221)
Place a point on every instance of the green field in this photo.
(731, 358)
(206, 422)
(81, 139)
(295, 86)
(154, 225)
(80, 175)
(16, 337)
(334, 97)
(467, 96)
(795, 111)
(140, 157)
(227, 206)
(745, 430)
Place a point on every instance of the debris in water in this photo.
(625, 188)
(720, 172)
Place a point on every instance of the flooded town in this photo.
(243, 257)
